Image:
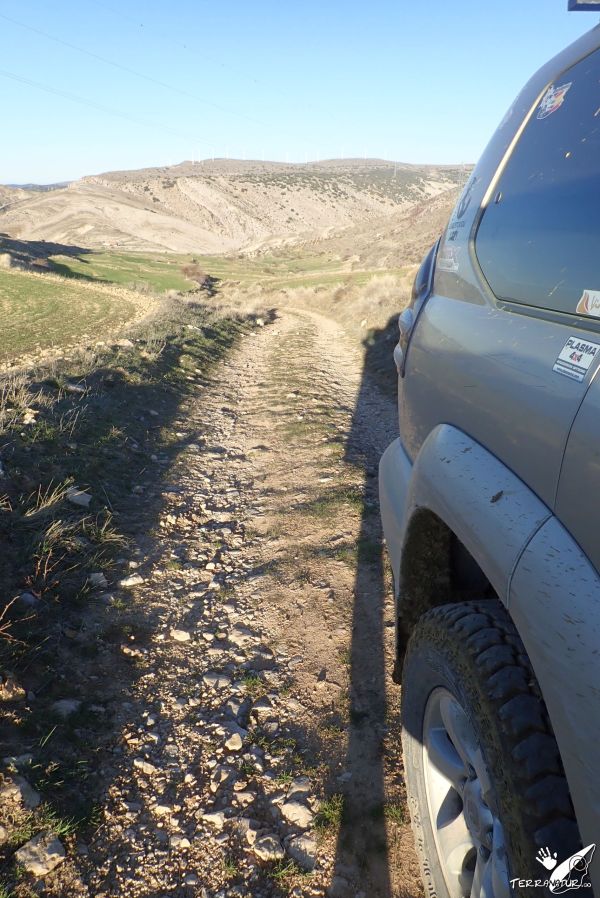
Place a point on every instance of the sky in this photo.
(423, 81)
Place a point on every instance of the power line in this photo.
(130, 71)
(106, 109)
(168, 39)
(243, 73)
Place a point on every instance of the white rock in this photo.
(303, 849)
(66, 706)
(222, 776)
(180, 635)
(131, 580)
(179, 842)
(243, 799)
(297, 814)
(299, 786)
(216, 680)
(262, 708)
(235, 742)
(78, 497)
(241, 636)
(215, 818)
(16, 788)
(145, 766)
(162, 810)
(41, 854)
(268, 848)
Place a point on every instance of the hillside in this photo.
(222, 205)
(11, 195)
(398, 240)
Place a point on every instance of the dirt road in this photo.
(251, 744)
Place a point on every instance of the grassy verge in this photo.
(102, 426)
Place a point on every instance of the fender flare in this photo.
(554, 603)
(489, 509)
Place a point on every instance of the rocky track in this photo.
(252, 742)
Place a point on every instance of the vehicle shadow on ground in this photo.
(70, 642)
(364, 836)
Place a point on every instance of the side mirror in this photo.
(421, 291)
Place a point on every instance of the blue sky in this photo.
(409, 80)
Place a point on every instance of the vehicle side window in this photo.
(538, 242)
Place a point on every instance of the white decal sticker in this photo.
(447, 259)
(575, 358)
(553, 100)
(589, 304)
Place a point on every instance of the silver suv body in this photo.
(490, 502)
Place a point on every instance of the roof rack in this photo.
(589, 5)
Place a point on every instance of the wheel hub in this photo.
(468, 835)
(478, 817)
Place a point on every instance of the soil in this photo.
(250, 737)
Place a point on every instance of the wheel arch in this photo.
(467, 519)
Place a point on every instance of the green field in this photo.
(161, 272)
(39, 311)
(164, 272)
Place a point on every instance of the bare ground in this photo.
(251, 737)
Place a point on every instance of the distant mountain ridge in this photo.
(41, 188)
(221, 205)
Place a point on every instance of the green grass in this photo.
(161, 272)
(331, 502)
(254, 685)
(330, 813)
(282, 870)
(230, 867)
(39, 311)
(394, 811)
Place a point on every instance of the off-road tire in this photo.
(474, 651)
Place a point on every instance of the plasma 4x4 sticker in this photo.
(575, 358)
(553, 100)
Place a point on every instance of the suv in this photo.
(490, 501)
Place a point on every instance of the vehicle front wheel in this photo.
(485, 783)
